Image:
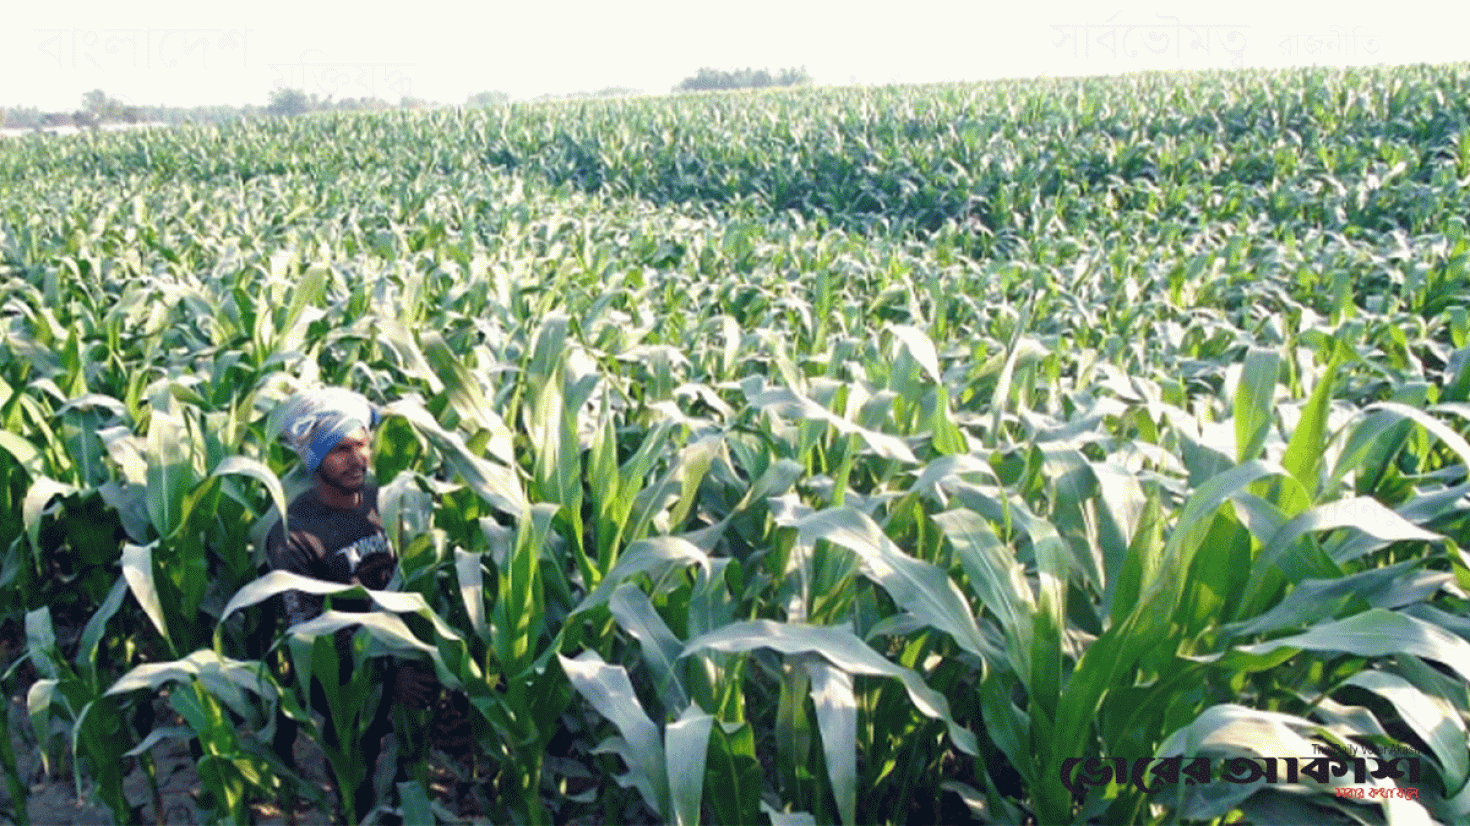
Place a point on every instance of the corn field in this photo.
(819, 456)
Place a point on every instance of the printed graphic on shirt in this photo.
(348, 561)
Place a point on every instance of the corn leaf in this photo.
(839, 647)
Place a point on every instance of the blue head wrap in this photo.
(314, 421)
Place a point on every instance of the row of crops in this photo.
(833, 455)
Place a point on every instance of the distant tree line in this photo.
(99, 108)
(606, 92)
(296, 102)
(30, 117)
(484, 99)
(706, 79)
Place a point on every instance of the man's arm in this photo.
(301, 606)
(290, 554)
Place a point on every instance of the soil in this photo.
(53, 799)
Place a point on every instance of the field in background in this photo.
(832, 455)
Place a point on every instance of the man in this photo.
(337, 535)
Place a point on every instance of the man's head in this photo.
(330, 429)
(345, 466)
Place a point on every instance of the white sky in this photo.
(184, 52)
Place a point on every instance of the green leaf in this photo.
(655, 556)
(471, 576)
(224, 678)
(607, 689)
(97, 626)
(414, 804)
(686, 742)
(41, 643)
(24, 453)
(1000, 398)
(836, 708)
(1054, 565)
(1364, 514)
(137, 568)
(1146, 625)
(1309, 442)
(396, 339)
(733, 777)
(306, 290)
(689, 471)
(549, 349)
(1375, 633)
(405, 510)
(995, 577)
(1007, 725)
(1314, 600)
(1122, 504)
(788, 402)
(39, 699)
(550, 421)
(944, 468)
(38, 496)
(170, 472)
(1255, 402)
(916, 586)
(1452, 440)
(279, 582)
(1434, 719)
(495, 483)
(468, 397)
(390, 632)
(518, 616)
(660, 648)
(1360, 513)
(182, 734)
(841, 648)
(920, 348)
(1233, 730)
(779, 818)
(254, 469)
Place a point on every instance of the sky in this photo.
(186, 53)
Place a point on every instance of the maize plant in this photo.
(1039, 451)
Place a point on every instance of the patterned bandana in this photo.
(314, 421)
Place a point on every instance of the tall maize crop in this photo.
(832, 455)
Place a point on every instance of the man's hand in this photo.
(375, 571)
(414, 684)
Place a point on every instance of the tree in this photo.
(707, 79)
(94, 102)
(99, 107)
(363, 104)
(495, 98)
(289, 102)
(18, 117)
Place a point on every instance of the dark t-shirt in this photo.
(332, 544)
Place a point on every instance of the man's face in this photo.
(345, 466)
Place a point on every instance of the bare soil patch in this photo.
(53, 798)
